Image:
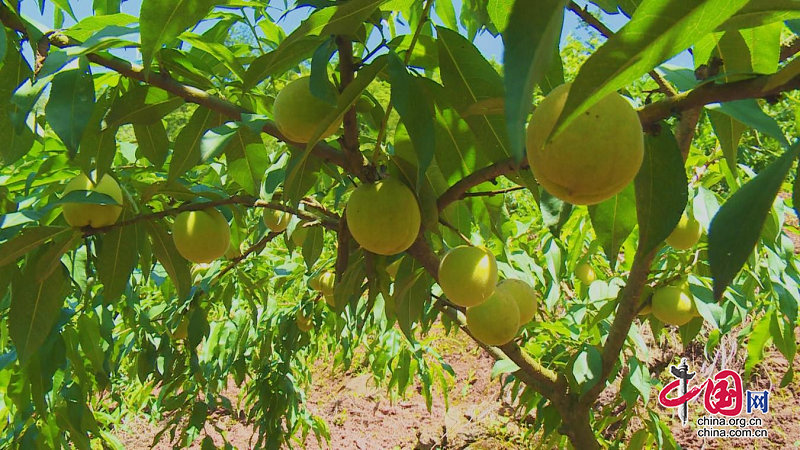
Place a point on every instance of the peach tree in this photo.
(237, 209)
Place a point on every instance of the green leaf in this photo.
(64, 5)
(445, 10)
(153, 142)
(35, 307)
(301, 43)
(758, 340)
(658, 30)
(416, 113)
(161, 21)
(555, 211)
(165, 252)
(247, 160)
(661, 189)
(28, 240)
(319, 82)
(90, 25)
(142, 105)
(218, 51)
(761, 12)
(90, 340)
(587, 367)
(13, 72)
(313, 245)
(736, 227)
(729, 132)
(499, 11)
(186, 151)
(215, 140)
(750, 113)
(290, 53)
(51, 259)
(613, 221)
(502, 366)
(86, 197)
(471, 83)
(70, 106)
(531, 41)
(411, 291)
(116, 259)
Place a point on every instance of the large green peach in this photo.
(326, 283)
(524, 295)
(299, 234)
(585, 273)
(304, 323)
(673, 305)
(93, 215)
(594, 158)
(298, 113)
(276, 220)
(496, 320)
(468, 275)
(201, 236)
(383, 217)
(686, 234)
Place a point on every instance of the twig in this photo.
(492, 193)
(456, 191)
(257, 247)
(601, 28)
(190, 94)
(455, 230)
(235, 200)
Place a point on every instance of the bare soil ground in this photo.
(361, 417)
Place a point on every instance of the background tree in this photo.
(98, 317)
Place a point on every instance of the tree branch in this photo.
(257, 247)
(713, 93)
(347, 74)
(190, 94)
(492, 193)
(626, 312)
(460, 188)
(235, 200)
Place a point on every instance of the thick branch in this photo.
(347, 73)
(601, 28)
(235, 200)
(790, 48)
(626, 312)
(713, 93)
(458, 190)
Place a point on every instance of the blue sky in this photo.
(490, 46)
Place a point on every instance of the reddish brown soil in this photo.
(360, 415)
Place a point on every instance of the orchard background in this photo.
(174, 99)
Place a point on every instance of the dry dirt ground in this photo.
(361, 417)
